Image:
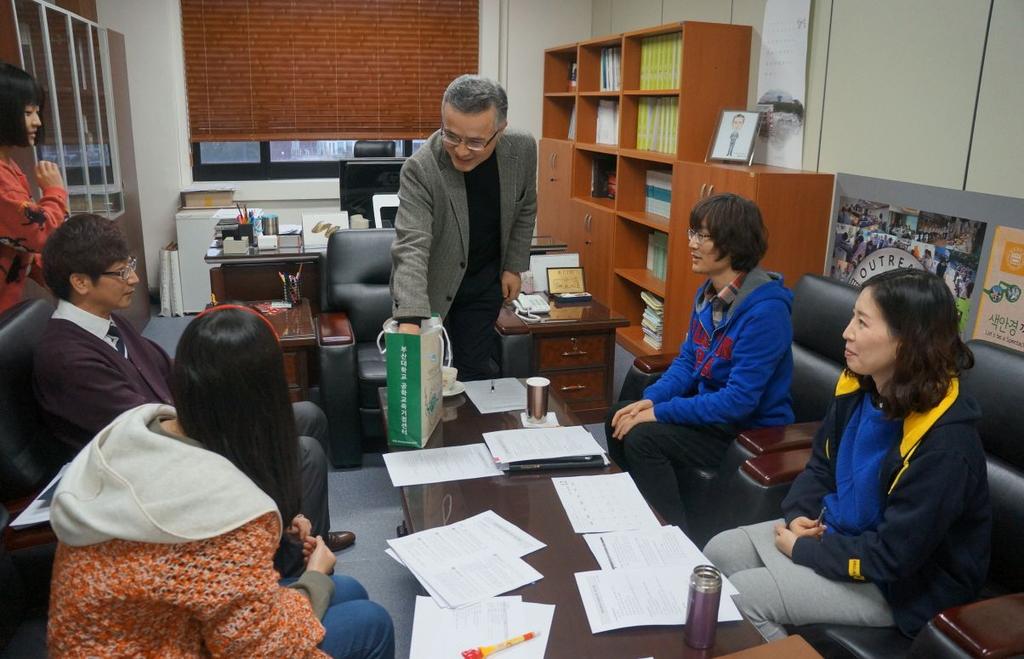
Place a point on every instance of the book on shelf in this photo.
(572, 76)
(607, 122)
(661, 61)
(657, 254)
(658, 192)
(572, 123)
(611, 66)
(653, 320)
(657, 123)
(603, 180)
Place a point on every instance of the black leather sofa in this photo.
(28, 460)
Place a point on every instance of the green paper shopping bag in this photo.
(414, 382)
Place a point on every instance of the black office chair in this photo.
(374, 149)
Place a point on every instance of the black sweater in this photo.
(931, 549)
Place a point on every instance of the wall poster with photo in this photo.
(1000, 310)
(873, 236)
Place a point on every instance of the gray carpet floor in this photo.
(363, 500)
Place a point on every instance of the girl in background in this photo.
(24, 224)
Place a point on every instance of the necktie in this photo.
(115, 334)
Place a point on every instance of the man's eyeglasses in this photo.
(699, 236)
(473, 143)
(126, 272)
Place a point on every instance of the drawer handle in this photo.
(573, 387)
(703, 188)
(575, 353)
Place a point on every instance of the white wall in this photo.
(513, 36)
(892, 87)
(152, 31)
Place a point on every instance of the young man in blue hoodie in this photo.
(733, 370)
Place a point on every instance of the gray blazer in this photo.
(431, 247)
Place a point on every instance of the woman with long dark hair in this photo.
(169, 518)
(24, 224)
(890, 522)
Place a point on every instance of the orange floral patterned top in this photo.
(213, 597)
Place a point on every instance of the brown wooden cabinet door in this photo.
(592, 238)
(554, 165)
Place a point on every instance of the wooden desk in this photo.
(530, 502)
(575, 349)
(298, 342)
(253, 276)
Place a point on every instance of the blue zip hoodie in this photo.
(738, 373)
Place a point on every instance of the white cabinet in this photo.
(195, 233)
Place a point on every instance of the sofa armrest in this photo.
(334, 329)
(771, 469)
(987, 628)
(651, 364)
(778, 438)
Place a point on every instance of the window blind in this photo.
(323, 69)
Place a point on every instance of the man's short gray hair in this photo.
(472, 94)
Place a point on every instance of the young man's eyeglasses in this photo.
(126, 272)
(473, 143)
(699, 236)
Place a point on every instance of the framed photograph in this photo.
(565, 280)
(734, 138)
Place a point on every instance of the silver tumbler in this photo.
(702, 606)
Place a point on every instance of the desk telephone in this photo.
(531, 304)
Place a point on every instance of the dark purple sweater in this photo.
(82, 384)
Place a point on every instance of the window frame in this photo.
(268, 170)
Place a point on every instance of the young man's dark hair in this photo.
(86, 244)
(17, 91)
(735, 227)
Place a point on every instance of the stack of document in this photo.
(499, 395)
(438, 632)
(439, 465)
(544, 448)
(614, 599)
(608, 502)
(468, 561)
(660, 556)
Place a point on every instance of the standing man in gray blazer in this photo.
(467, 206)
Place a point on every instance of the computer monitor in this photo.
(361, 178)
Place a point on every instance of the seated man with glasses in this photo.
(91, 364)
(734, 368)
(467, 205)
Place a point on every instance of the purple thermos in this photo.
(702, 606)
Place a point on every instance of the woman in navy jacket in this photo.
(890, 522)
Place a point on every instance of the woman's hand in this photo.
(806, 527)
(784, 540)
(626, 418)
(48, 175)
(300, 527)
(320, 559)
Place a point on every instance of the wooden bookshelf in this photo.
(611, 235)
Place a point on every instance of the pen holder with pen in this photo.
(292, 287)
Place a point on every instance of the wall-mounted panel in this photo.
(902, 79)
(635, 14)
(711, 11)
(998, 145)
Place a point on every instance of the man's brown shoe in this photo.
(338, 540)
